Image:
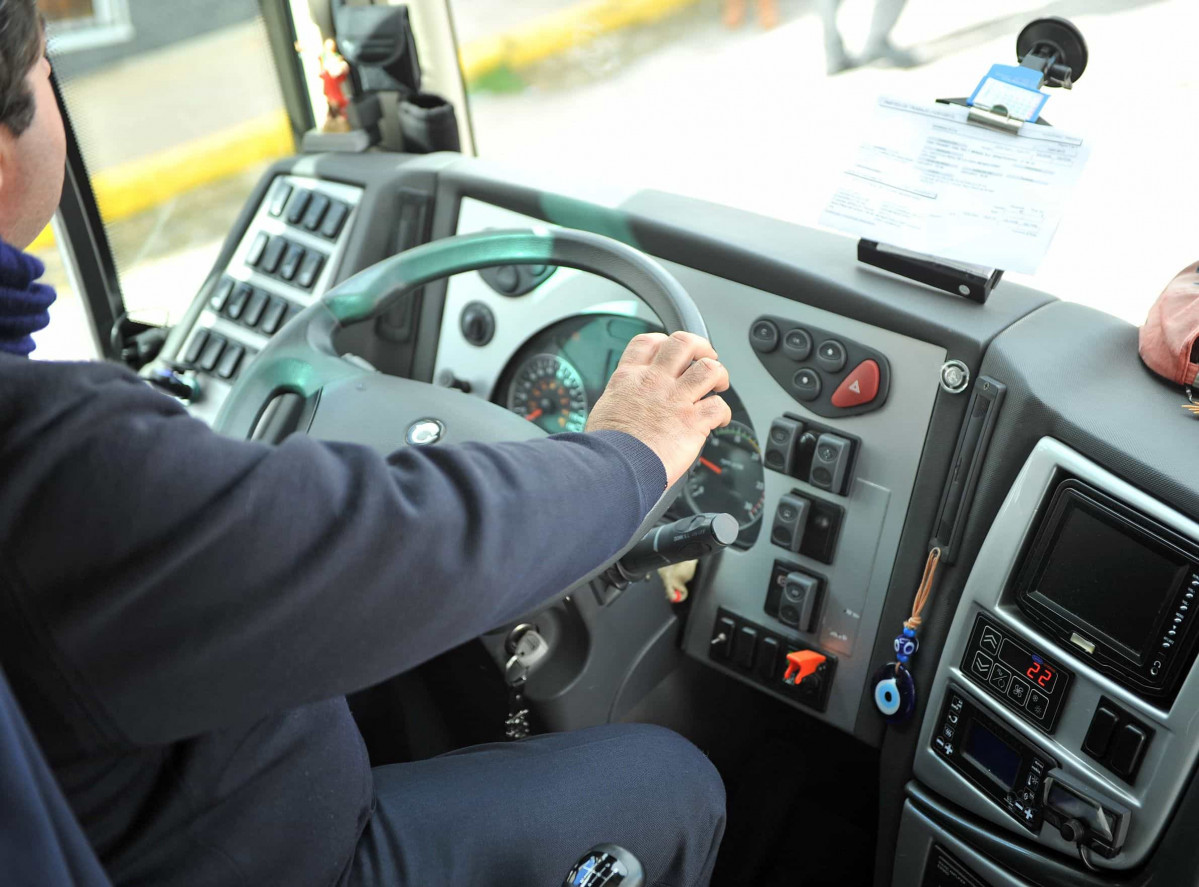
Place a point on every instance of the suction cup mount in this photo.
(1056, 48)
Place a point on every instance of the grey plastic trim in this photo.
(1174, 750)
(917, 835)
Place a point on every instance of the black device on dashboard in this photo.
(999, 763)
(1115, 584)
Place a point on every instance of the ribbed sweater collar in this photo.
(24, 303)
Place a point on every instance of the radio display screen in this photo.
(1110, 578)
(990, 753)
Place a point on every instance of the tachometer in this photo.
(729, 476)
(548, 391)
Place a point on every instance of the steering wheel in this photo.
(299, 382)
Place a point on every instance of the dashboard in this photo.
(842, 560)
(1053, 738)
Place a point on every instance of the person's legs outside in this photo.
(835, 57)
(520, 814)
(878, 43)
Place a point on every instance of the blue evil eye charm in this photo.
(894, 692)
(906, 645)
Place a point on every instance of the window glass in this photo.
(176, 123)
(732, 101)
(79, 24)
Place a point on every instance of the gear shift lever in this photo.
(606, 865)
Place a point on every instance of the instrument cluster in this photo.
(556, 377)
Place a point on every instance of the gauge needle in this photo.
(711, 466)
(535, 415)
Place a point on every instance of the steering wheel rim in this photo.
(301, 357)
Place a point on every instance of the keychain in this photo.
(528, 649)
(894, 686)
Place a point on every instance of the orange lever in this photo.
(800, 664)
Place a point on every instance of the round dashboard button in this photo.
(806, 384)
(507, 278)
(764, 336)
(797, 344)
(831, 355)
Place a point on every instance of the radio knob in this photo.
(1072, 831)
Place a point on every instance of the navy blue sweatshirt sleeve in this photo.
(188, 581)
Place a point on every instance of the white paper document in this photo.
(928, 181)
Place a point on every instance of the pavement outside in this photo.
(749, 118)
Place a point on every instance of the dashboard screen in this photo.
(990, 753)
(1033, 667)
(1115, 582)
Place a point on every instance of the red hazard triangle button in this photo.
(859, 387)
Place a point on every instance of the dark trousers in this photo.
(520, 814)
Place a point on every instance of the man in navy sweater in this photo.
(181, 614)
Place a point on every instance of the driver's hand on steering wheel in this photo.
(659, 394)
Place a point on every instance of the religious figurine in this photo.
(335, 74)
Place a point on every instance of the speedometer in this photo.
(548, 391)
(729, 476)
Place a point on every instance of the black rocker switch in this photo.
(798, 602)
(782, 444)
(1099, 734)
(790, 521)
(745, 642)
(830, 463)
(1128, 747)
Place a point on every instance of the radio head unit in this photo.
(1115, 584)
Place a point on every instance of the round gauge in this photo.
(728, 476)
(549, 392)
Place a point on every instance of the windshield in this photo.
(177, 110)
(732, 101)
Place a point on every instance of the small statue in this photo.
(335, 72)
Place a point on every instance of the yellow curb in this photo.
(559, 31)
(134, 187)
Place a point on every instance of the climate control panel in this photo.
(1007, 667)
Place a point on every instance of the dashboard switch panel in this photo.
(811, 452)
(762, 657)
(1024, 680)
(835, 378)
(1117, 740)
(998, 762)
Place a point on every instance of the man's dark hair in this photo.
(20, 49)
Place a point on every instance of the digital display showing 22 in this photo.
(1032, 667)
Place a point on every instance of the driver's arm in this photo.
(183, 581)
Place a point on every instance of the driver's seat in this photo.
(41, 842)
